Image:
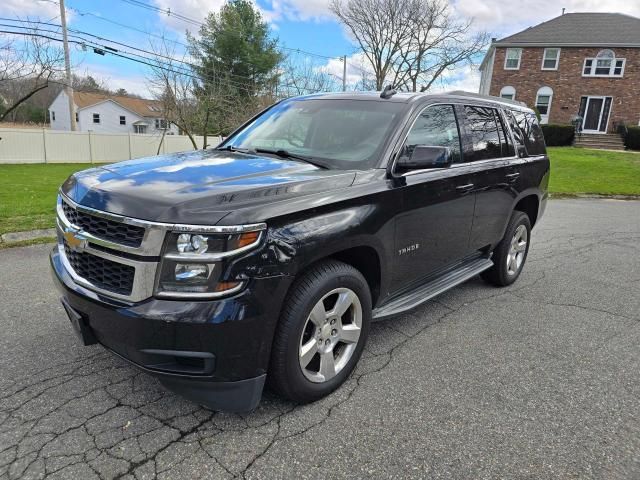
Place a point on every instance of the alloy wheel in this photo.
(330, 335)
(517, 250)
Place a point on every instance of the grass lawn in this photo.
(28, 192)
(578, 170)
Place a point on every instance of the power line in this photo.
(82, 37)
(159, 65)
(186, 19)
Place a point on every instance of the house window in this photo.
(512, 59)
(605, 64)
(96, 118)
(508, 92)
(53, 116)
(139, 129)
(543, 103)
(161, 124)
(123, 120)
(550, 59)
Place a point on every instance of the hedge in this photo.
(558, 135)
(632, 138)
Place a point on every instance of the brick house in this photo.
(578, 64)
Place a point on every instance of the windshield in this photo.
(341, 134)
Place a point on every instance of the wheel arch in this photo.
(529, 204)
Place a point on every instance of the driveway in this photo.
(538, 380)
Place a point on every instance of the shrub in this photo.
(632, 138)
(558, 135)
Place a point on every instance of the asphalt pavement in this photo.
(538, 380)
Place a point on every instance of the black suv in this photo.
(268, 257)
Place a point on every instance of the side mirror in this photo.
(426, 156)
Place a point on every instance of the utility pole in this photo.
(67, 64)
(344, 73)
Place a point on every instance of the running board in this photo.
(427, 291)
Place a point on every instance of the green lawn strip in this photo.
(28, 194)
(598, 172)
(25, 243)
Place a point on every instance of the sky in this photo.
(298, 24)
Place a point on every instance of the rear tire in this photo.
(321, 333)
(511, 253)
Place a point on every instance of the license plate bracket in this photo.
(79, 325)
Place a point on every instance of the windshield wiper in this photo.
(286, 154)
(231, 148)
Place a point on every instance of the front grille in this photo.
(110, 230)
(105, 274)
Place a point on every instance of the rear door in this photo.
(433, 228)
(493, 165)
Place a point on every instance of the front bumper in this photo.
(215, 353)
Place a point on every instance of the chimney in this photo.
(494, 39)
(563, 9)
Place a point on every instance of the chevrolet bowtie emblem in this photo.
(75, 240)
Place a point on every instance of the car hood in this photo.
(199, 187)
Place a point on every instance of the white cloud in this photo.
(299, 10)
(508, 17)
(463, 77)
(192, 9)
(275, 10)
(357, 65)
(29, 8)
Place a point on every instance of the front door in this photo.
(592, 116)
(433, 229)
(596, 114)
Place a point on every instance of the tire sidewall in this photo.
(299, 382)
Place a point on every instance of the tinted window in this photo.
(506, 143)
(436, 126)
(341, 133)
(483, 128)
(515, 128)
(531, 131)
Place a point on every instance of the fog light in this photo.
(186, 272)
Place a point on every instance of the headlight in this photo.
(193, 262)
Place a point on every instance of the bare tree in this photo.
(409, 43)
(174, 86)
(300, 77)
(27, 66)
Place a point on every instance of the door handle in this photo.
(464, 188)
(512, 177)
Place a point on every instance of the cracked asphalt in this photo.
(538, 380)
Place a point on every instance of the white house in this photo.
(98, 112)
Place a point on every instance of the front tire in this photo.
(511, 253)
(321, 333)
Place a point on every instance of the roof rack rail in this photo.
(462, 93)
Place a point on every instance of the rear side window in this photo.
(531, 132)
(437, 127)
(488, 138)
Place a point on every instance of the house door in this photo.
(596, 114)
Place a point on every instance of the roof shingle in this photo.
(595, 29)
(140, 106)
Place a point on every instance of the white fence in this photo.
(51, 146)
